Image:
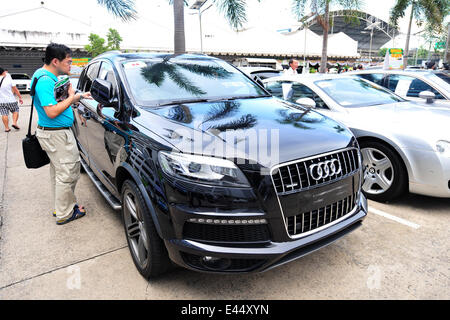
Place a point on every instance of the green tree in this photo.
(114, 39)
(96, 45)
(382, 52)
(233, 10)
(321, 10)
(431, 12)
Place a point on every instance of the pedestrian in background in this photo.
(8, 102)
(293, 66)
(55, 134)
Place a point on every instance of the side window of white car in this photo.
(275, 88)
(301, 91)
(409, 86)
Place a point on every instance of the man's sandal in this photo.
(77, 213)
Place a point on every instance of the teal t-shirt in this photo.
(45, 97)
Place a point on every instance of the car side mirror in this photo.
(427, 95)
(102, 92)
(307, 102)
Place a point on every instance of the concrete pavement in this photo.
(89, 258)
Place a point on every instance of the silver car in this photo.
(405, 145)
(416, 85)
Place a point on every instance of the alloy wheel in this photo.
(378, 171)
(136, 231)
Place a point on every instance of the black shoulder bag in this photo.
(33, 154)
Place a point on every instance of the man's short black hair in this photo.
(58, 51)
(2, 70)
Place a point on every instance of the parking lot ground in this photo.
(402, 250)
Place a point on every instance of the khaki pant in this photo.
(64, 156)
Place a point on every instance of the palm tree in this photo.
(233, 10)
(432, 12)
(321, 10)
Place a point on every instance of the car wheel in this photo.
(384, 175)
(146, 247)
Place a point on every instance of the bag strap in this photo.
(2, 81)
(33, 94)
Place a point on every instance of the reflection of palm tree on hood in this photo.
(157, 73)
(245, 122)
(298, 120)
(220, 110)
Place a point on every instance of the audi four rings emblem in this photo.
(325, 169)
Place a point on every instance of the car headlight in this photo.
(443, 147)
(207, 170)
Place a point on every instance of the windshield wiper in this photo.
(242, 97)
(207, 100)
(181, 102)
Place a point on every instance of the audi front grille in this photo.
(296, 176)
(300, 184)
(309, 221)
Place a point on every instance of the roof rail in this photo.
(108, 52)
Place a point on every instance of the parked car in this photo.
(169, 140)
(22, 81)
(412, 84)
(261, 72)
(405, 145)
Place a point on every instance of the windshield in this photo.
(20, 76)
(163, 81)
(354, 92)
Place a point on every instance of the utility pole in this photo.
(447, 52)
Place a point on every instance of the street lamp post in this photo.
(371, 27)
(198, 6)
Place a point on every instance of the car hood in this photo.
(413, 121)
(265, 130)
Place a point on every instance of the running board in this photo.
(110, 198)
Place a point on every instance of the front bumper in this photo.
(430, 173)
(258, 258)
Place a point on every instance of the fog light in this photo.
(213, 263)
(225, 222)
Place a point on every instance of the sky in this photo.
(158, 14)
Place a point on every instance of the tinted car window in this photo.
(409, 86)
(159, 81)
(266, 74)
(443, 76)
(374, 77)
(20, 76)
(354, 92)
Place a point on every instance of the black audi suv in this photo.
(209, 170)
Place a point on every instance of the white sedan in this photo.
(425, 86)
(405, 145)
(21, 81)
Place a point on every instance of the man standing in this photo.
(8, 102)
(54, 132)
(293, 66)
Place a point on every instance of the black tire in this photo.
(147, 249)
(397, 172)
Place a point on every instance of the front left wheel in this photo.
(146, 247)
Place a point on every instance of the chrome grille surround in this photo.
(350, 161)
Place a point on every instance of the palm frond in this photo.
(206, 71)
(234, 11)
(398, 11)
(123, 9)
